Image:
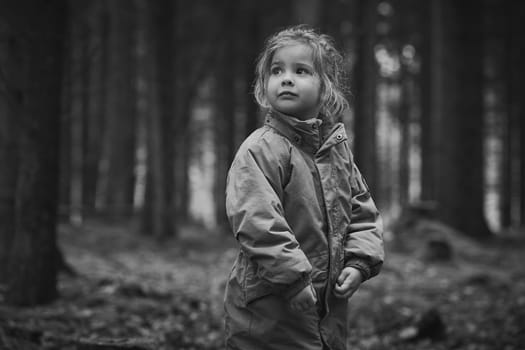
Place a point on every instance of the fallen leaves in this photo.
(138, 295)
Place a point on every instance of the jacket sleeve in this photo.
(254, 194)
(364, 242)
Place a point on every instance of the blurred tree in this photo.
(225, 106)
(83, 107)
(499, 120)
(116, 167)
(251, 43)
(96, 38)
(405, 114)
(78, 99)
(408, 24)
(457, 109)
(517, 113)
(365, 80)
(522, 155)
(194, 61)
(65, 127)
(36, 35)
(431, 49)
(10, 98)
(160, 33)
(183, 51)
(506, 29)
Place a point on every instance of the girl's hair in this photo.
(328, 63)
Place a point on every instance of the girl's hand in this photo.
(304, 300)
(348, 282)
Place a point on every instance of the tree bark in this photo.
(517, 106)
(513, 192)
(78, 66)
(10, 93)
(501, 29)
(97, 23)
(31, 275)
(225, 122)
(158, 216)
(253, 41)
(459, 108)
(431, 80)
(115, 192)
(404, 156)
(365, 81)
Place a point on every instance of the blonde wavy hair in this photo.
(328, 64)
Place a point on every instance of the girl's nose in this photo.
(287, 81)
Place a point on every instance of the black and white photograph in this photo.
(262, 175)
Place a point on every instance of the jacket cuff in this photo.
(360, 265)
(294, 288)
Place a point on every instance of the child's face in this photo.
(293, 86)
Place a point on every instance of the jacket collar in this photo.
(313, 135)
(303, 133)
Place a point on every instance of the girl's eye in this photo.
(302, 71)
(276, 70)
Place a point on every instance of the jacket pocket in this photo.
(319, 268)
(253, 286)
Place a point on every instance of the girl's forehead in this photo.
(294, 51)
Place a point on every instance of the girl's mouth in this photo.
(287, 93)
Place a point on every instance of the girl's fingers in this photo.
(344, 291)
(342, 277)
(341, 288)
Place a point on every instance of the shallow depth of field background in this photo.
(119, 120)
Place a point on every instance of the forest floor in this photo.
(134, 293)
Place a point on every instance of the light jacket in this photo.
(300, 211)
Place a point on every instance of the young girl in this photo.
(308, 230)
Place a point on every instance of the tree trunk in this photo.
(115, 192)
(253, 41)
(513, 208)
(405, 121)
(79, 64)
(365, 81)
(500, 29)
(183, 94)
(10, 96)
(32, 263)
(225, 122)
(432, 65)
(517, 104)
(522, 158)
(158, 210)
(65, 128)
(94, 123)
(460, 157)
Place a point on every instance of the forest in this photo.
(119, 120)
